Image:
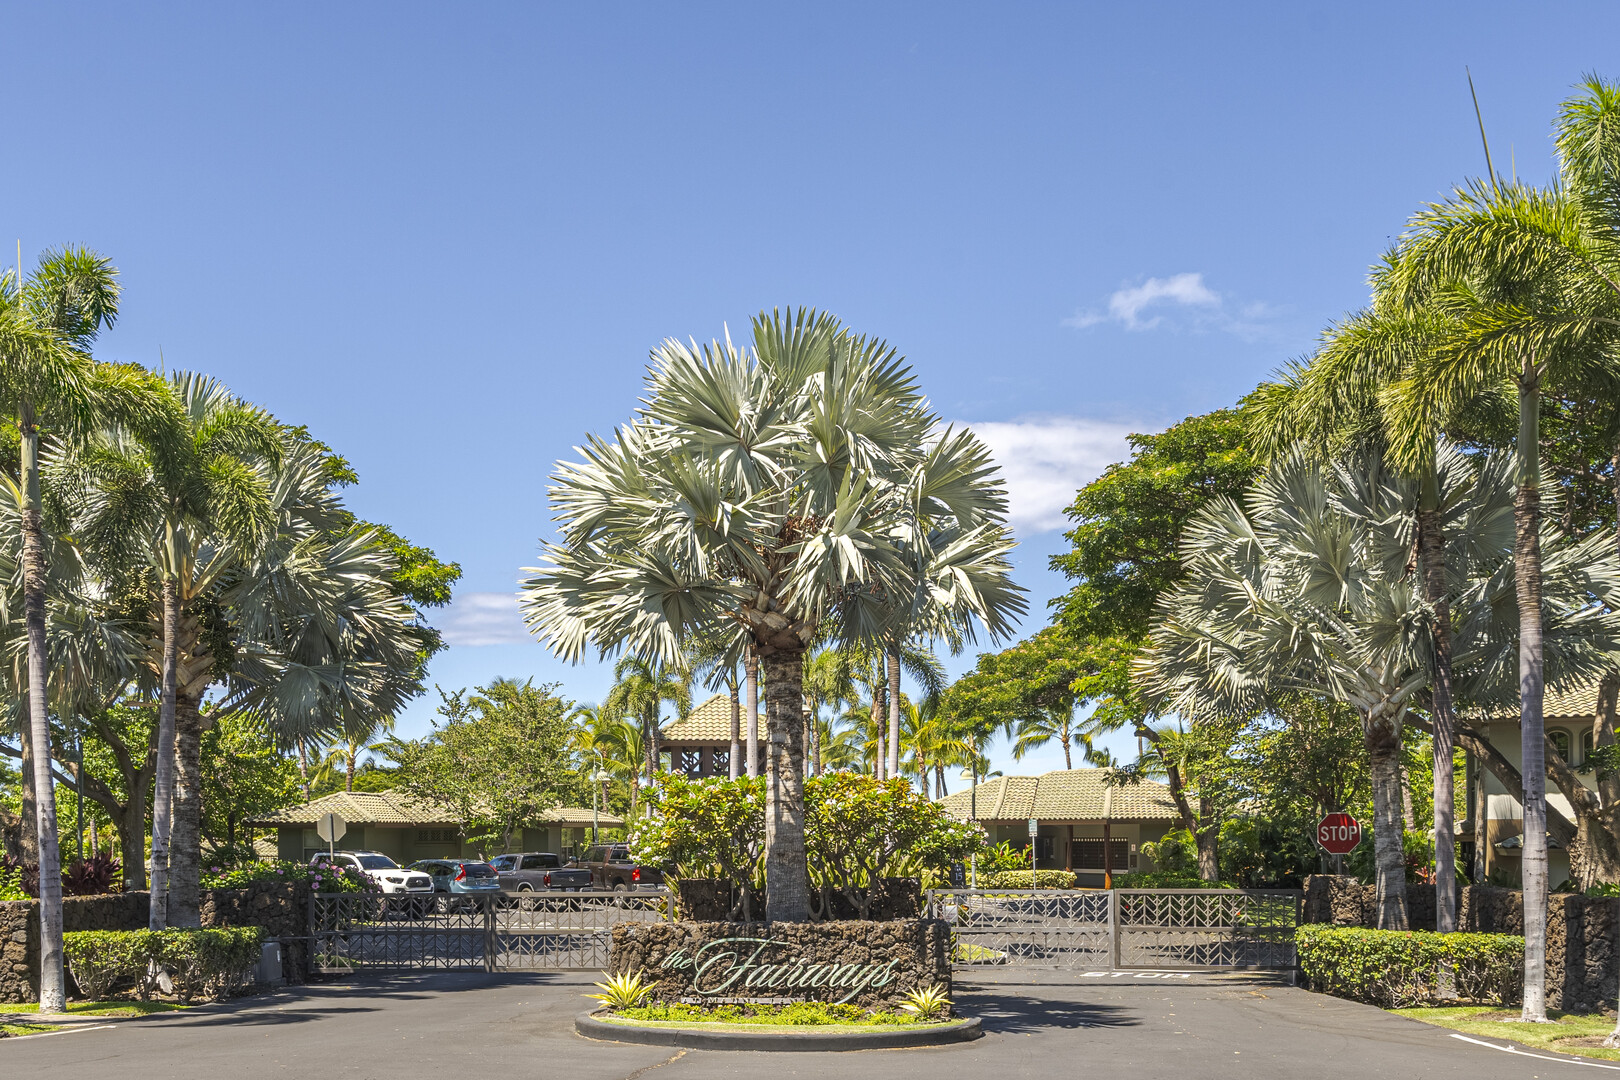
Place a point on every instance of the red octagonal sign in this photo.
(1338, 834)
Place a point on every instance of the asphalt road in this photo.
(455, 1025)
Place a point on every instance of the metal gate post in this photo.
(489, 932)
(1113, 928)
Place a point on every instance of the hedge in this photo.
(1403, 968)
(1019, 879)
(200, 963)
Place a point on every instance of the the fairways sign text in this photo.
(738, 966)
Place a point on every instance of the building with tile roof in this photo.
(407, 829)
(1494, 824)
(1079, 817)
(699, 744)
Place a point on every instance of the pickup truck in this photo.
(610, 867)
(538, 871)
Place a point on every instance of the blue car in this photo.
(457, 881)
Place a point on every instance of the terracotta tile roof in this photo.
(1561, 703)
(397, 808)
(710, 722)
(1065, 795)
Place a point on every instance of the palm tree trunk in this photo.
(28, 825)
(879, 719)
(787, 876)
(734, 762)
(185, 852)
(52, 981)
(1533, 760)
(1432, 553)
(815, 743)
(751, 684)
(939, 780)
(1382, 732)
(894, 707)
(303, 768)
(163, 787)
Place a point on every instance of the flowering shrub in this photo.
(326, 879)
(200, 962)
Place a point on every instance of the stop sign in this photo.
(1338, 834)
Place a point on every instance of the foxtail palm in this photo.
(640, 690)
(47, 377)
(774, 490)
(1541, 269)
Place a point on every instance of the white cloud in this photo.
(483, 618)
(1045, 460)
(1129, 307)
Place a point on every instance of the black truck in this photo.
(611, 867)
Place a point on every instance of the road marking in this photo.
(1539, 1057)
(66, 1029)
(1136, 974)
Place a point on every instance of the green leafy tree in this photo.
(244, 777)
(707, 828)
(1128, 522)
(498, 758)
(801, 484)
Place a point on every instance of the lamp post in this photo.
(972, 776)
(600, 776)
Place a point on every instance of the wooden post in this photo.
(1108, 855)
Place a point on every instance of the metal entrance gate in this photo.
(1160, 929)
(358, 931)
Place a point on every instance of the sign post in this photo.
(1338, 835)
(1033, 830)
(330, 827)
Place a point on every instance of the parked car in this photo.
(393, 879)
(456, 881)
(531, 871)
(612, 868)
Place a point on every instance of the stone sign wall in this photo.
(870, 964)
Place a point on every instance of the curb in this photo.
(697, 1039)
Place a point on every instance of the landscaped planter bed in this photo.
(693, 1035)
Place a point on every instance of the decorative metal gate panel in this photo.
(1206, 928)
(1159, 929)
(355, 931)
(1031, 928)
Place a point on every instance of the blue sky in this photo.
(445, 236)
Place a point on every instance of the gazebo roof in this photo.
(707, 724)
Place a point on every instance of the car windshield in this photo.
(377, 862)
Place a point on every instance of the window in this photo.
(377, 862)
(722, 762)
(1088, 853)
(540, 862)
(691, 762)
(435, 836)
(1586, 745)
(1560, 739)
(502, 863)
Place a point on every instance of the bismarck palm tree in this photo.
(1338, 400)
(48, 380)
(190, 505)
(640, 690)
(771, 491)
(1305, 586)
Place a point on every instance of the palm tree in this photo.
(640, 690)
(1339, 399)
(190, 504)
(345, 754)
(828, 683)
(773, 490)
(1306, 586)
(47, 325)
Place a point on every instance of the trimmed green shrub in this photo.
(1019, 879)
(325, 879)
(203, 963)
(1402, 968)
(1158, 879)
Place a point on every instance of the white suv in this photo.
(389, 875)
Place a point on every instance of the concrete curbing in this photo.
(959, 1031)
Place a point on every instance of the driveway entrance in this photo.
(1121, 929)
(527, 932)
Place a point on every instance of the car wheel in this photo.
(525, 887)
(441, 905)
(619, 886)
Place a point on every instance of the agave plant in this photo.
(625, 991)
(927, 1003)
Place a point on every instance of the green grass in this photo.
(969, 953)
(1565, 1035)
(25, 1029)
(101, 1008)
